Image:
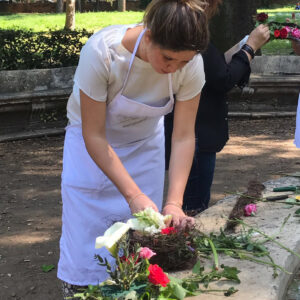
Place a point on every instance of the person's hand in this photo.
(141, 202)
(258, 37)
(179, 219)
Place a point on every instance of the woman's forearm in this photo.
(182, 149)
(179, 170)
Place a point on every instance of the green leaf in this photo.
(250, 247)
(297, 212)
(47, 268)
(231, 273)
(230, 291)
(261, 248)
(178, 291)
(197, 268)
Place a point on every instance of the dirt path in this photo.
(30, 205)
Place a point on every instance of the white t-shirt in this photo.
(103, 66)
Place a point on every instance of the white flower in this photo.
(111, 236)
(149, 221)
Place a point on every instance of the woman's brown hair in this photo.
(178, 25)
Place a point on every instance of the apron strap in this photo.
(133, 56)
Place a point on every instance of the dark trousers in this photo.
(197, 192)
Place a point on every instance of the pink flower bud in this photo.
(296, 33)
(145, 252)
(250, 210)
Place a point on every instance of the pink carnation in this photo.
(145, 252)
(288, 29)
(250, 210)
(296, 33)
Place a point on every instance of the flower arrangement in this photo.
(280, 30)
(136, 275)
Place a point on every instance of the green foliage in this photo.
(199, 276)
(130, 269)
(47, 268)
(30, 50)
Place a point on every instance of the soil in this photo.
(253, 192)
(30, 204)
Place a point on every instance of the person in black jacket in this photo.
(222, 72)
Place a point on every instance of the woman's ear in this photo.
(148, 36)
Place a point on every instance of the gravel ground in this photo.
(30, 204)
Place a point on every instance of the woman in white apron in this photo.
(113, 162)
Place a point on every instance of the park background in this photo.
(30, 204)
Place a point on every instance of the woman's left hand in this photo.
(179, 219)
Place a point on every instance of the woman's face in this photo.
(166, 61)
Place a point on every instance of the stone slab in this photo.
(257, 282)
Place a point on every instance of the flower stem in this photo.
(215, 254)
(272, 264)
(269, 237)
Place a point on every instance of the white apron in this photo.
(297, 132)
(91, 203)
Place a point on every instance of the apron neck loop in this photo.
(133, 55)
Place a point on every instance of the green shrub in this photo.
(21, 49)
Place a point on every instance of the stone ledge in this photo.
(276, 64)
(27, 96)
(31, 134)
(257, 282)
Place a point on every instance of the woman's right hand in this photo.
(258, 37)
(141, 202)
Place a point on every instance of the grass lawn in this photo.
(91, 21)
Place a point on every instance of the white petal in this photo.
(112, 235)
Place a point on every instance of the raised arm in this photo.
(93, 115)
(183, 147)
(222, 76)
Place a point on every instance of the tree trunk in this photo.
(70, 14)
(59, 6)
(121, 5)
(232, 23)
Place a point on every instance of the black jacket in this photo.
(211, 123)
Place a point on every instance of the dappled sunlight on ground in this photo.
(20, 240)
(30, 205)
